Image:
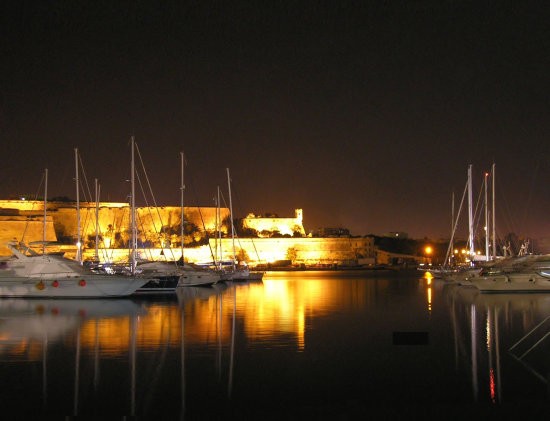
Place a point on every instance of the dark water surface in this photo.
(299, 345)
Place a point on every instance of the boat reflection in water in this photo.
(502, 333)
(317, 344)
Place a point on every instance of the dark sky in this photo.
(365, 114)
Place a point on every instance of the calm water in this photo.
(299, 345)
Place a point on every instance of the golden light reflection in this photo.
(488, 330)
(266, 310)
(492, 386)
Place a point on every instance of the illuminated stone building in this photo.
(159, 235)
(266, 225)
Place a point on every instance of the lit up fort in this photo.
(271, 241)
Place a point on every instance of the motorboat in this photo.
(529, 273)
(29, 274)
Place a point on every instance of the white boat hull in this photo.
(85, 286)
(513, 282)
(198, 278)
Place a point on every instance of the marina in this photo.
(301, 344)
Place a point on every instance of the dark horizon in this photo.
(366, 116)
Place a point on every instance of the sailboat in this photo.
(170, 275)
(29, 274)
(241, 271)
(191, 275)
(465, 274)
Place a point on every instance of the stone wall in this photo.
(21, 228)
(257, 251)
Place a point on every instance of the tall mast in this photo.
(486, 220)
(133, 215)
(219, 226)
(493, 215)
(78, 239)
(231, 214)
(45, 211)
(470, 214)
(451, 245)
(96, 221)
(182, 189)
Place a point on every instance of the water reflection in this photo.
(495, 325)
(295, 339)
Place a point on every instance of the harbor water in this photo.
(297, 345)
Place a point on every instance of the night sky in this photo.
(365, 114)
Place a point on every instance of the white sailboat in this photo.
(171, 275)
(464, 275)
(235, 272)
(191, 275)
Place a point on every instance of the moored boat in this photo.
(529, 273)
(29, 274)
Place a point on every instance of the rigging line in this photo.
(207, 237)
(162, 226)
(232, 219)
(36, 196)
(85, 187)
(89, 197)
(242, 213)
(140, 218)
(477, 212)
(449, 249)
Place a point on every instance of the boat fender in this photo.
(55, 284)
(40, 286)
(82, 283)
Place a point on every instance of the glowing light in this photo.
(428, 250)
(488, 330)
(492, 385)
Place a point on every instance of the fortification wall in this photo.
(19, 228)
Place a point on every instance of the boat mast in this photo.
(470, 215)
(220, 257)
(182, 188)
(219, 229)
(78, 239)
(45, 211)
(231, 215)
(451, 245)
(97, 188)
(133, 244)
(493, 216)
(449, 249)
(486, 220)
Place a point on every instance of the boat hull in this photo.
(83, 286)
(199, 278)
(515, 282)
